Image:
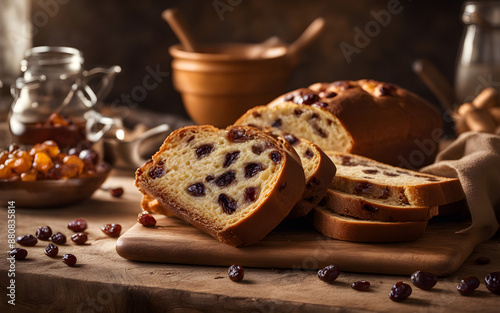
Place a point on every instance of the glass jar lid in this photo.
(482, 13)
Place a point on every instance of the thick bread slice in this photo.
(348, 228)
(235, 184)
(374, 209)
(371, 179)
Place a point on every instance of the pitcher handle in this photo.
(107, 80)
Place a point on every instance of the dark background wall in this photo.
(133, 35)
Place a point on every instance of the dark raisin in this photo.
(320, 104)
(18, 253)
(370, 208)
(288, 97)
(196, 190)
(309, 98)
(347, 161)
(13, 147)
(423, 280)
(385, 193)
(468, 285)
(26, 240)
(58, 238)
(291, 139)
(319, 131)
(158, 170)
(343, 84)
(43, 233)
(204, 150)
(390, 174)
(209, 178)
(256, 114)
(362, 187)
(252, 169)
(492, 282)
(116, 192)
(309, 154)
(482, 260)
(277, 123)
(238, 135)
(89, 156)
(314, 116)
(51, 250)
(79, 238)
(298, 112)
(230, 158)
(112, 230)
(77, 225)
(329, 273)
(235, 272)
(282, 186)
(225, 179)
(250, 194)
(146, 219)
(361, 285)
(370, 171)
(400, 291)
(385, 90)
(190, 139)
(227, 203)
(330, 94)
(69, 259)
(258, 149)
(432, 179)
(275, 156)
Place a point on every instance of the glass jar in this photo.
(52, 98)
(478, 64)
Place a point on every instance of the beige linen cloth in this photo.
(474, 158)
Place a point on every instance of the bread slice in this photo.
(151, 205)
(375, 209)
(363, 176)
(235, 184)
(347, 228)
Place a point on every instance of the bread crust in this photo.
(369, 209)
(340, 227)
(255, 226)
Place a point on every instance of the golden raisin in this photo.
(74, 162)
(20, 165)
(4, 155)
(57, 120)
(5, 172)
(29, 175)
(42, 162)
(51, 148)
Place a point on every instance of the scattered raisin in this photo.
(492, 282)
(390, 174)
(116, 192)
(385, 193)
(370, 208)
(112, 230)
(361, 285)
(69, 259)
(225, 179)
(196, 190)
(238, 135)
(362, 187)
(329, 273)
(258, 149)
(158, 170)
(228, 204)
(146, 219)
(235, 272)
(291, 139)
(89, 156)
(309, 98)
(298, 112)
(309, 154)
(468, 285)
(204, 150)
(400, 291)
(330, 94)
(275, 156)
(370, 171)
(252, 169)
(18, 253)
(250, 194)
(51, 250)
(209, 178)
(319, 131)
(58, 238)
(43, 233)
(482, 260)
(77, 225)
(231, 158)
(347, 161)
(27, 240)
(79, 238)
(423, 280)
(277, 123)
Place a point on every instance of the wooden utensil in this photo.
(436, 82)
(178, 23)
(306, 38)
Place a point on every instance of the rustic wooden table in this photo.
(104, 282)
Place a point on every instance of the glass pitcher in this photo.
(478, 64)
(52, 97)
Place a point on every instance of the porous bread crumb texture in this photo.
(311, 123)
(200, 158)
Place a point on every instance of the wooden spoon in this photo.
(306, 38)
(178, 23)
(436, 82)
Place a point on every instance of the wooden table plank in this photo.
(105, 282)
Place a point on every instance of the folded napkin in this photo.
(474, 158)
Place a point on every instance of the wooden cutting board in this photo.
(299, 246)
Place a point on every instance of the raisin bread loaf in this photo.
(379, 120)
(349, 228)
(235, 184)
(365, 177)
(375, 209)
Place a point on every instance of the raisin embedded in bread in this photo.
(374, 209)
(375, 119)
(362, 176)
(349, 228)
(235, 184)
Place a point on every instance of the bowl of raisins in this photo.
(44, 176)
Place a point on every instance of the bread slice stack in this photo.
(369, 201)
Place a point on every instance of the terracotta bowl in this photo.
(222, 82)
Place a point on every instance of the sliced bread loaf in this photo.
(235, 184)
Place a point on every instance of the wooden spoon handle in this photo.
(178, 23)
(307, 37)
(436, 82)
